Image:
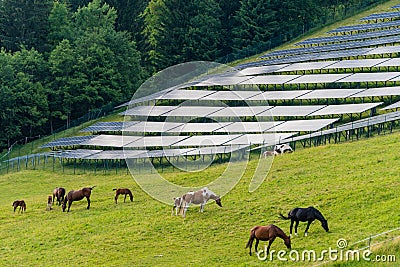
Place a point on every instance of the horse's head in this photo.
(324, 225)
(288, 244)
(218, 201)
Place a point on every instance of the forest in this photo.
(63, 59)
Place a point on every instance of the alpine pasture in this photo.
(355, 185)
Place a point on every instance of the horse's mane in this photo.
(318, 214)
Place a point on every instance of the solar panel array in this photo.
(243, 118)
(350, 37)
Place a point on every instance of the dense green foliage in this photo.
(61, 59)
(354, 185)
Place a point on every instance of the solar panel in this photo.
(303, 125)
(108, 126)
(345, 109)
(76, 154)
(155, 141)
(393, 62)
(194, 127)
(365, 27)
(385, 15)
(148, 111)
(384, 50)
(392, 106)
(333, 47)
(186, 94)
(249, 127)
(261, 70)
(152, 126)
(291, 111)
(371, 77)
(382, 91)
(359, 63)
(207, 140)
(117, 154)
(256, 139)
(307, 66)
(222, 81)
(270, 79)
(330, 93)
(231, 95)
(194, 111)
(279, 95)
(235, 112)
(351, 37)
(396, 6)
(106, 140)
(68, 141)
(318, 78)
(214, 150)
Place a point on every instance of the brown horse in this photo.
(267, 233)
(19, 203)
(76, 195)
(59, 193)
(122, 191)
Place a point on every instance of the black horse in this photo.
(305, 215)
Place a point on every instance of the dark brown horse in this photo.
(19, 203)
(59, 193)
(76, 195)
(122, 191)
(267, 233)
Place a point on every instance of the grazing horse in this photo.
(21, 204)
(177, 205)
(59, 193)
(122, 191)
(76, 195)
(305, 215)
(267, 233)
(199, 197)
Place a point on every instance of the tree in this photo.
(24, 23)
(60, 24)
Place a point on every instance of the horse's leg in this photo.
(69, 204)
(125, 197)
(291, 226)
(256, 245)
(269, 245)
(308, 226)
(88, 202)
(295, 227)
(116, 199)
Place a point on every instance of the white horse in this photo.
(199, 197)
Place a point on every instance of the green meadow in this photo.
(355, 185)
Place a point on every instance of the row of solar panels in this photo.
(350, 37)
(366, 27)
(316, 94)
(321, 65)
(363, 123)
(130, 142)
(143, 154)
(212, 127)
(384, 15)
(300, 79)
(333, 47)
(358, 52)
(247, 111)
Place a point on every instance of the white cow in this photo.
(283, 148)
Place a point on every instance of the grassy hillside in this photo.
(355, 185)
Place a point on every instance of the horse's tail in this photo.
(283, 217)
(252, 236)
(114, 189)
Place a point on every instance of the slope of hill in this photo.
(355, 185)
